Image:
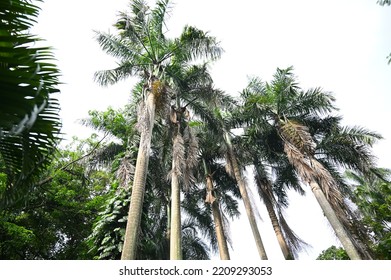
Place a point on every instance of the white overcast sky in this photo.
(339, 45)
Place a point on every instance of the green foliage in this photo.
(333, 253)
(57, 217)
(107, 237)
(372, 195)
(29, 114)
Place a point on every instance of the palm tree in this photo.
(193, 93)
(220, 125)
(290, 111)
(273, 175)
(145, 52)
(29, 115)
(218, 186)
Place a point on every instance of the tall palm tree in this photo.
(290, 111)
(29, 114)
(144, 51)
(193, 93)
(273, 175)
(221, 125)
(218, 186)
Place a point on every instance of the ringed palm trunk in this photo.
(246, 199)
(266, 193)
(334, 221)
(277, 230)
(218, 221)
(175, 228)
(129, 249)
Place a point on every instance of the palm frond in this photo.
(195, 44)
(191, 160)
(295, 243)
(29, 114)
(297, 135)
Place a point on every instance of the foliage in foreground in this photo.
(29, 114)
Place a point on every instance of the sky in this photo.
(340, 46)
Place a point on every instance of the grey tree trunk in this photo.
(267, 196)
(138, 189)
(175, 229)
(219, 226)
(277, 230)
(246, 199)
(334, 221)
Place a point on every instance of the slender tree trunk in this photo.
(267, 200)
(176, 229)
(246, 199)
(277, 230)
(218, 221)
(138, 189)
(334, 221)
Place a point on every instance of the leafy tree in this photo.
(29, 114)
(57, 217)
(333, 253)
(372, 195)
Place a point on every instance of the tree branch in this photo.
(50, 178)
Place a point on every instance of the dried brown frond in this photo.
(192, 149)
(178, 154)
(125, 172)
(162, 95)
(298, 135)
(173, 115)
(226, 227)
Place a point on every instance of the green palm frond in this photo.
(29, 115)
(194, 44)
(349, 147)
(311, 102)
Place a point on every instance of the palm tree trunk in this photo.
(176, 230)
(138, 189)
(277, 230)
(246, 199)
(334, 221)
(219, 226)
(267, 200)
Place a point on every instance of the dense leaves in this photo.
(29, 113)
(57, 216)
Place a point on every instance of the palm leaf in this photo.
(29, 115)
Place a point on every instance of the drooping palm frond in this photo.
(29, 114)
(191, 158)
(195, 247)
(311, 102)
(194, 44)
(295, 243)
(349, 147)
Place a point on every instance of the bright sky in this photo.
(340, 46)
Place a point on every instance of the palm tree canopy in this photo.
(143, 49)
